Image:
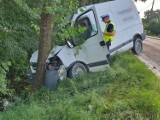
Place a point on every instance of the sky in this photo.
(143, 6)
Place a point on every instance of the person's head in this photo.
(105, 18)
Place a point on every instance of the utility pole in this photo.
(152, 5)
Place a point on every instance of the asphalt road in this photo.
(151, 54)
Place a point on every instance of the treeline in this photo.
(152, 22)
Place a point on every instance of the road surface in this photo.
(151, 54)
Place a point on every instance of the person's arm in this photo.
(110, 30)
(109, 33)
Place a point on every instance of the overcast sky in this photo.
(143, 6)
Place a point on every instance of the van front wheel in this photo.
(137, 46)
(77, 70)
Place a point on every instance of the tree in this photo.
(152, 5)
(46, 29)
(149, 15)
(152, 22)
(154, 27)
(53, 9)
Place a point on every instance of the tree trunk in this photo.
(82, 3)
(152, 5)
(44, 47)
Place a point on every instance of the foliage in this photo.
(154, 27)
(126, 91)
(152, 22)
(149, 15)
(62, 28)
(3, 68)
(18, 40)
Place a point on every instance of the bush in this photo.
(154, 27)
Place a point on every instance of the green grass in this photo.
(125, 91)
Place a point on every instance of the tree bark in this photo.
(152, 5)
(44, 47)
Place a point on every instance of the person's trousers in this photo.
(108, 44)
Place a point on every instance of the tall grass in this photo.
(125, 91)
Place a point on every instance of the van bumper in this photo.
(143, 35)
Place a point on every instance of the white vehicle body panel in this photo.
(34, 56)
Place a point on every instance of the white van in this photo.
(64, 60)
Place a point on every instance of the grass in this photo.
(125, 91)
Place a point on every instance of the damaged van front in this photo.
(55, 69)
(61, 62)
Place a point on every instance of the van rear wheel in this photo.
(137, 46)
(77, 70)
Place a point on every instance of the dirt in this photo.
(151, 54)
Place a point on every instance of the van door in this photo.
(91, 48)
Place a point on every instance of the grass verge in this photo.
(125, 91)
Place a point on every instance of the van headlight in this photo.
(62, 72)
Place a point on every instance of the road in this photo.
(151, 54)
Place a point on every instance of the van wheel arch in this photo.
(137, 44)
(137, 36)
(72, 66)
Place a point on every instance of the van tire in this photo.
(137, 46)
(77, 70)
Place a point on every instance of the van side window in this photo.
(87, 21)
(86, 25)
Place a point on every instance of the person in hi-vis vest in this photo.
(109, 30)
